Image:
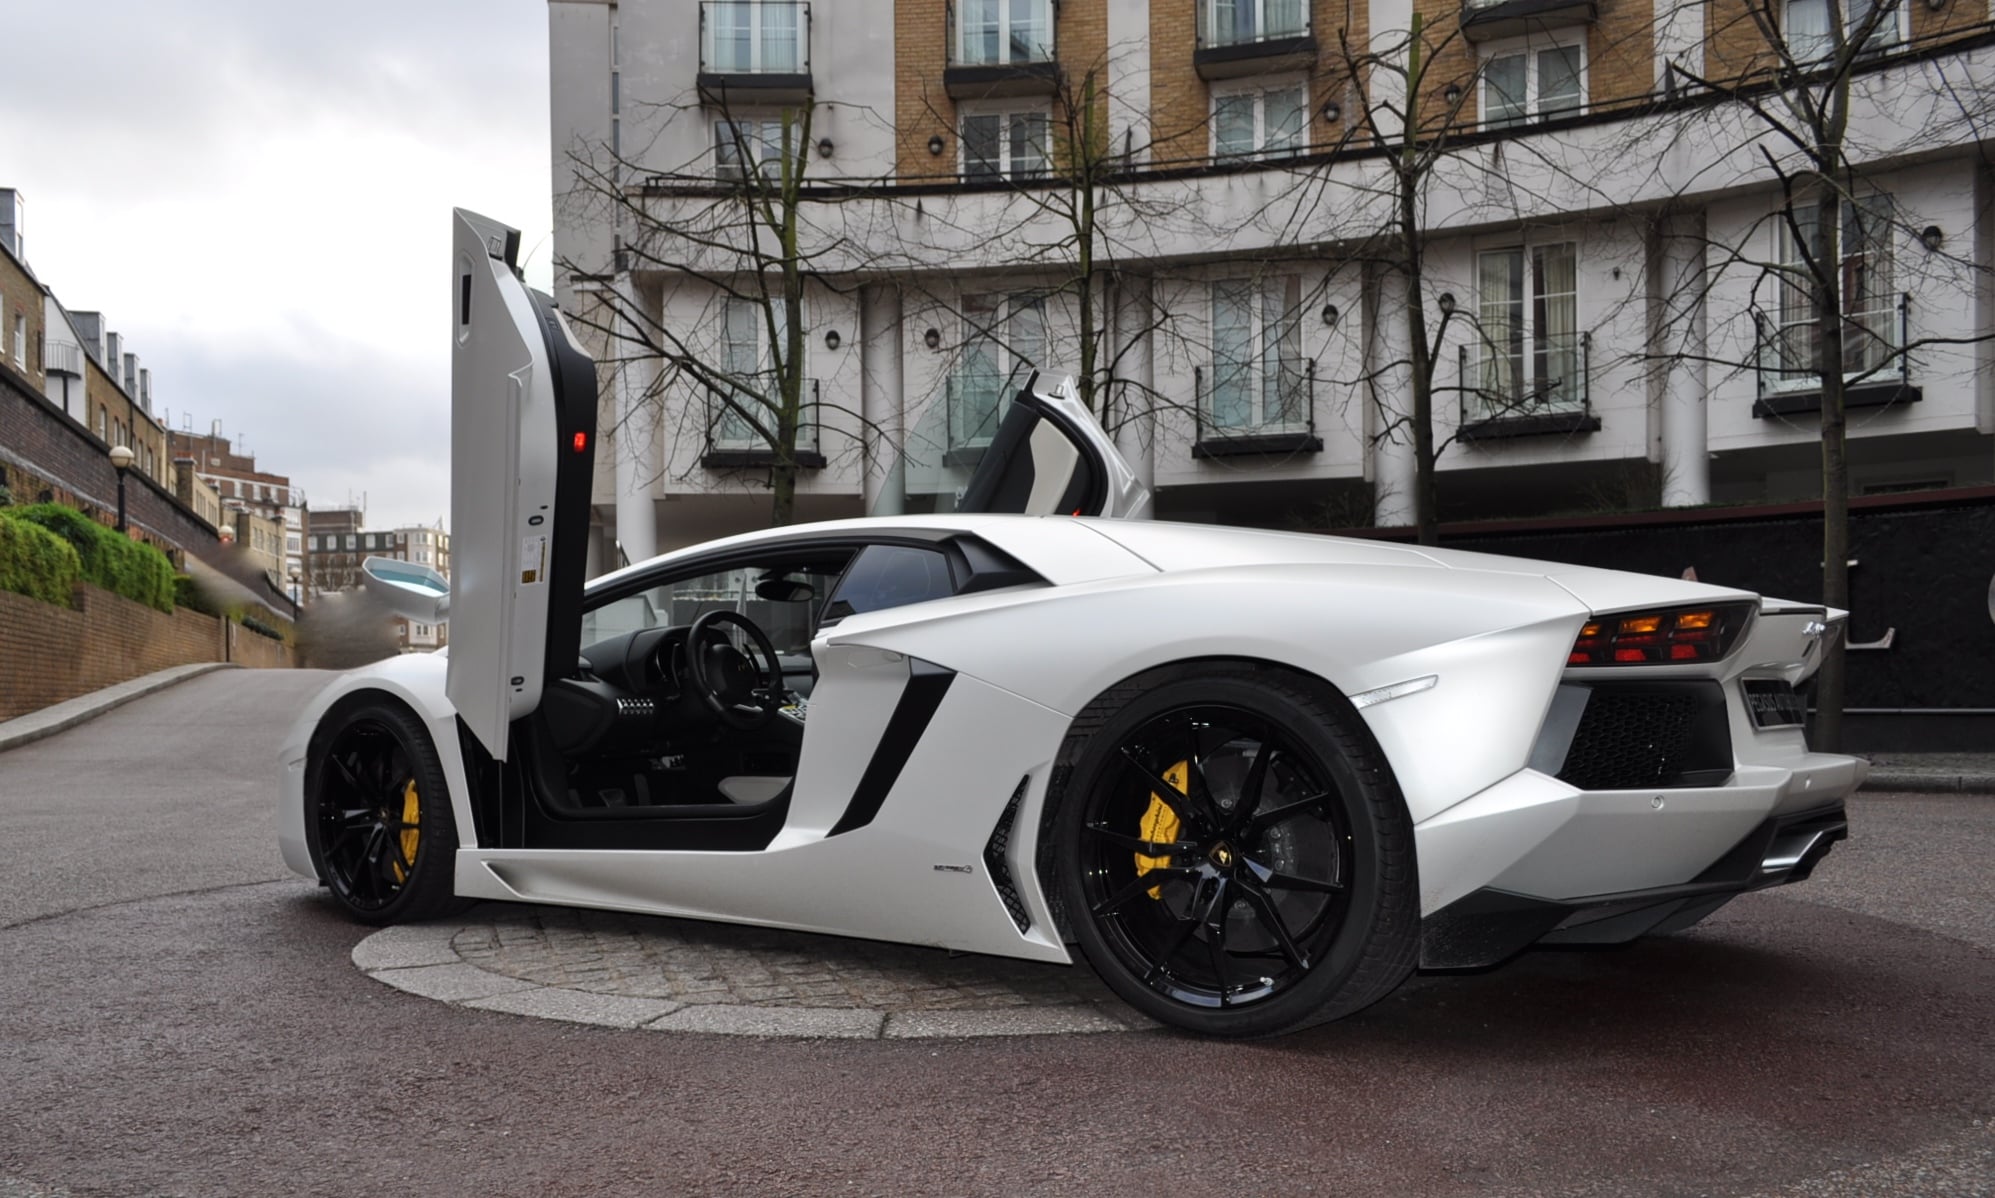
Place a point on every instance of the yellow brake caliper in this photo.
(1160, 825)
(412, 814)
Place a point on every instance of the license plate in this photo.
(1774, 704)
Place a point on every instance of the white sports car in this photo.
(1256, 778)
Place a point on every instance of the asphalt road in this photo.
(182, 1018)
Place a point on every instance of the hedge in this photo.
(37, 563)
(109, 558)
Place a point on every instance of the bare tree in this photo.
(742, 233)
(1828, 310)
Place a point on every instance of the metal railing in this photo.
(729, 431)
(1242, 399)
(1874, 339)
(1493, 387)
(997, 33)
(1244, 22)
(62, 357)
(755, 37)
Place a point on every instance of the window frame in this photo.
(1043, 51)
(1260, 91)
(1006, 114)
(1008, 357)
(1530, 49)
(766, 143)
(1285, 345)
(1526, 394)
(1794, 296)
(1889, 34)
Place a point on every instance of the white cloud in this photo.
(258, 197)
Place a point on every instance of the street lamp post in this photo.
(121, 457)
(294, 596)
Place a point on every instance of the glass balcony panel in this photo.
(755, 37)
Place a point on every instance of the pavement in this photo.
(62, 716)
(186, 1018)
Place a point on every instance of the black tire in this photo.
(371, 768)
(1285, 890)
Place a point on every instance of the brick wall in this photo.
(1178, 97)
(921, 108)
(49, 654)
(43, 450)
(20, 296)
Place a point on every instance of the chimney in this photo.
(145, 390)
(214, 430)
(132, 375)
(12, 212)
(114, 356)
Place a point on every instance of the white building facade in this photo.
(1606, 284)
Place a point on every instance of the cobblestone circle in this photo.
(693, 963)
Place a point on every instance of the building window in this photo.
(1527, 321)
(1870, 318)
(746, 144)
(1004, 339)
(1809, 38)
(1000, 32)
(1258, 375)
(352, 542)
(1533, 81)
(1235, 22)
(1266, 121)
(1010, 145)
(754, 36)
(21, 340)
(103, 423)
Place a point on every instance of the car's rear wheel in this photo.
(1232, 856)
(377, 816)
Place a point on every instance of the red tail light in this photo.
(1673, 636)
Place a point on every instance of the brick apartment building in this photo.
(1594, 331)
(74, 391)
(214, 460)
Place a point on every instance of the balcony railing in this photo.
(1245, 37)
(1788, 378)
(733, 441)
(1000, 48)
(1244, 409)
(62, 357)
(1497, 402)
(757, 48)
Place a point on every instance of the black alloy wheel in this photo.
(1233, 860)
(377, 815)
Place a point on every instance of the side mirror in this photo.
(408, 590)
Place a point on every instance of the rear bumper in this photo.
(1490, 925)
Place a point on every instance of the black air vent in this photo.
(1665, 734)
(1000, 869)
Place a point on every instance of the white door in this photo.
(522, 444)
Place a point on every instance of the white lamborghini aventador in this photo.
(1257, 779)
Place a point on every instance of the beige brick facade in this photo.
(21, 310)
(922, 110)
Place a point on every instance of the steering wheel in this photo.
(743, 692)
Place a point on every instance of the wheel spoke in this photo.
(1251, 787)
(1143, 884)
(1275, 815)
(1188, 923)
(1269, 916)
(1149, 848)
(346, 771)
(1274, 880)
(1215, 942)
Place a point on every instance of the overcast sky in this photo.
(257, 195)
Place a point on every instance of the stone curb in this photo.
(419, 959)
(60, 717)
(1929, 781)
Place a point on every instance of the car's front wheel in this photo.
(1231, 854)
(377, 815)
